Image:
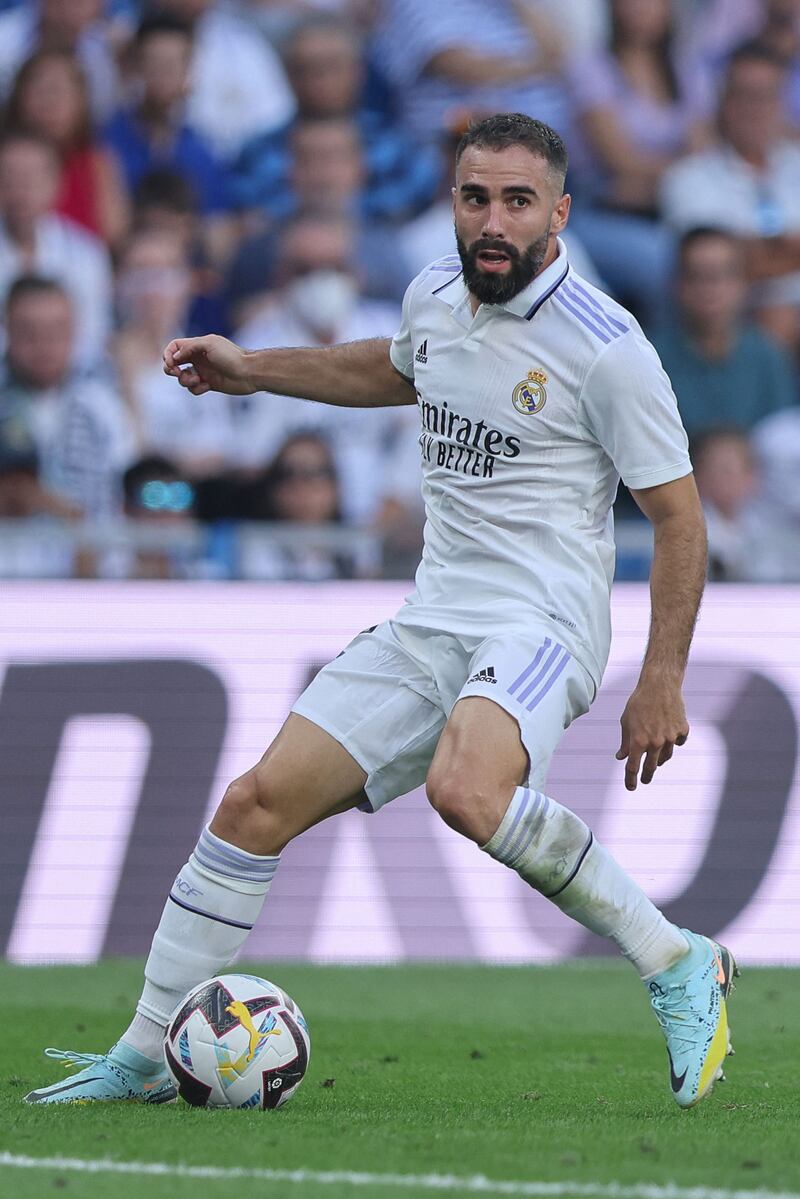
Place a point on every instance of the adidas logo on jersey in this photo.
(422, 353)
(484, 676)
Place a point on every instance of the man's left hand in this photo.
(653, 723)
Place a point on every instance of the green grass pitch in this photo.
(537, 1074)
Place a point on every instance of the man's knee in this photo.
(465, 804)
(250, 814)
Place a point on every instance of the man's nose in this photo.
(493, 221)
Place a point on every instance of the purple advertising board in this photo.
(125, 709)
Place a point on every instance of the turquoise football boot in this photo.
(123, 1074)
(689, 1001)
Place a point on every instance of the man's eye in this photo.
(520, 201)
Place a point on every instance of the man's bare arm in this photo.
(677, 578)
(357, 374)
(654, 720)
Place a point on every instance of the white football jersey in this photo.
(531, 412)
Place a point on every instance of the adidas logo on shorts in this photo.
(484, 676)
(422, 353)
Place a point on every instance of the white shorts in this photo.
(388, 695)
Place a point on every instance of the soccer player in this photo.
(536, 393)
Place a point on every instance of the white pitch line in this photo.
(476, 1184)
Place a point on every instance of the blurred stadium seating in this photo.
(158, 200)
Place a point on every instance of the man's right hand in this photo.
(209, 363)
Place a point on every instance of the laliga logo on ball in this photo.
(529, 396)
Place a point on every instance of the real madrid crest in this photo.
(530, 396)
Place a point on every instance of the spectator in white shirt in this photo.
(35, 239)
(238, 86)
(749, 184)
(318, 302)
(776, 444)
(727, 479)
(154, 291)
(77, 424)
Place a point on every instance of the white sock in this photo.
(554, 851)
(214, 902)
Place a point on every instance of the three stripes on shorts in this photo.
(530, 687)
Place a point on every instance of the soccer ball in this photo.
(237, 1041)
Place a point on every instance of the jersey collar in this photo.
(528, 302)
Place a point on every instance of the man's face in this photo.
(508, 210)
(164, 61)
(327, 165)
(712, 287)
(751, 116)
(40, 338)
(325, 73)
(28, 181)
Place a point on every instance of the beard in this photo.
(524, 265)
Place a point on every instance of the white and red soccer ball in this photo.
(237, 1041)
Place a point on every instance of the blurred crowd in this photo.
(278, 170)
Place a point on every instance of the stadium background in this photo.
(175, 569)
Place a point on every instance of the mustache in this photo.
(501, 247)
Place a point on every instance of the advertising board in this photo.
(125, 709)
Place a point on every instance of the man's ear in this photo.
(558, 220)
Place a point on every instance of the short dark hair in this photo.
(755, 51)
(700, 233)
(506, 129)
(33, 285)
(160, 22)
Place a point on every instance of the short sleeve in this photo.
(401, 350)
(627, 404)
